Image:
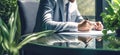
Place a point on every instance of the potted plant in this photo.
(10, 29)
(111, 17)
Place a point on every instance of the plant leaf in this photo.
(13, 26)
(5, 44)
(116, 2)
(4, 30)
(110, 8)
(104, 32)
(18, 31)
(34, 36)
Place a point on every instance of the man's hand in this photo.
(84, 39)
(98, 26)
(85, 26)
(88, 25)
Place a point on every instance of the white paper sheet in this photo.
(90, 33)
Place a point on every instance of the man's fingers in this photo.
(99, 26)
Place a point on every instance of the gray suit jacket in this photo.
(51, 17)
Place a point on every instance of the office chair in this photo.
(28, 12)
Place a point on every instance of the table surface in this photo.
(81, 40)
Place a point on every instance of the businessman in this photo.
(62, 15)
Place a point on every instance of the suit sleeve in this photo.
(46, 14)
(79, 16)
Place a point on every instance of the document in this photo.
(89, 33)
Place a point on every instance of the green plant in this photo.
(10, 35)
(111, 17)
(6, 7)
(112, 42)
(10, 31)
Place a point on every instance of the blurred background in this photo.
(87, 8)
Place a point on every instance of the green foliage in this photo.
(10, 35)
(10, 31)
(6, 7)
(112, 42)
(111, 17)
(111, 20)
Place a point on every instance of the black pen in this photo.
(86, 18)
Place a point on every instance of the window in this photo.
(87, 8)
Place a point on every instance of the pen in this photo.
(92, 23)
(86, 18)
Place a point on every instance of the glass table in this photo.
(74, 43)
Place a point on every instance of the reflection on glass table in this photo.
(75, 43)
(89, 40)
(65, 40)
(111, 43)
